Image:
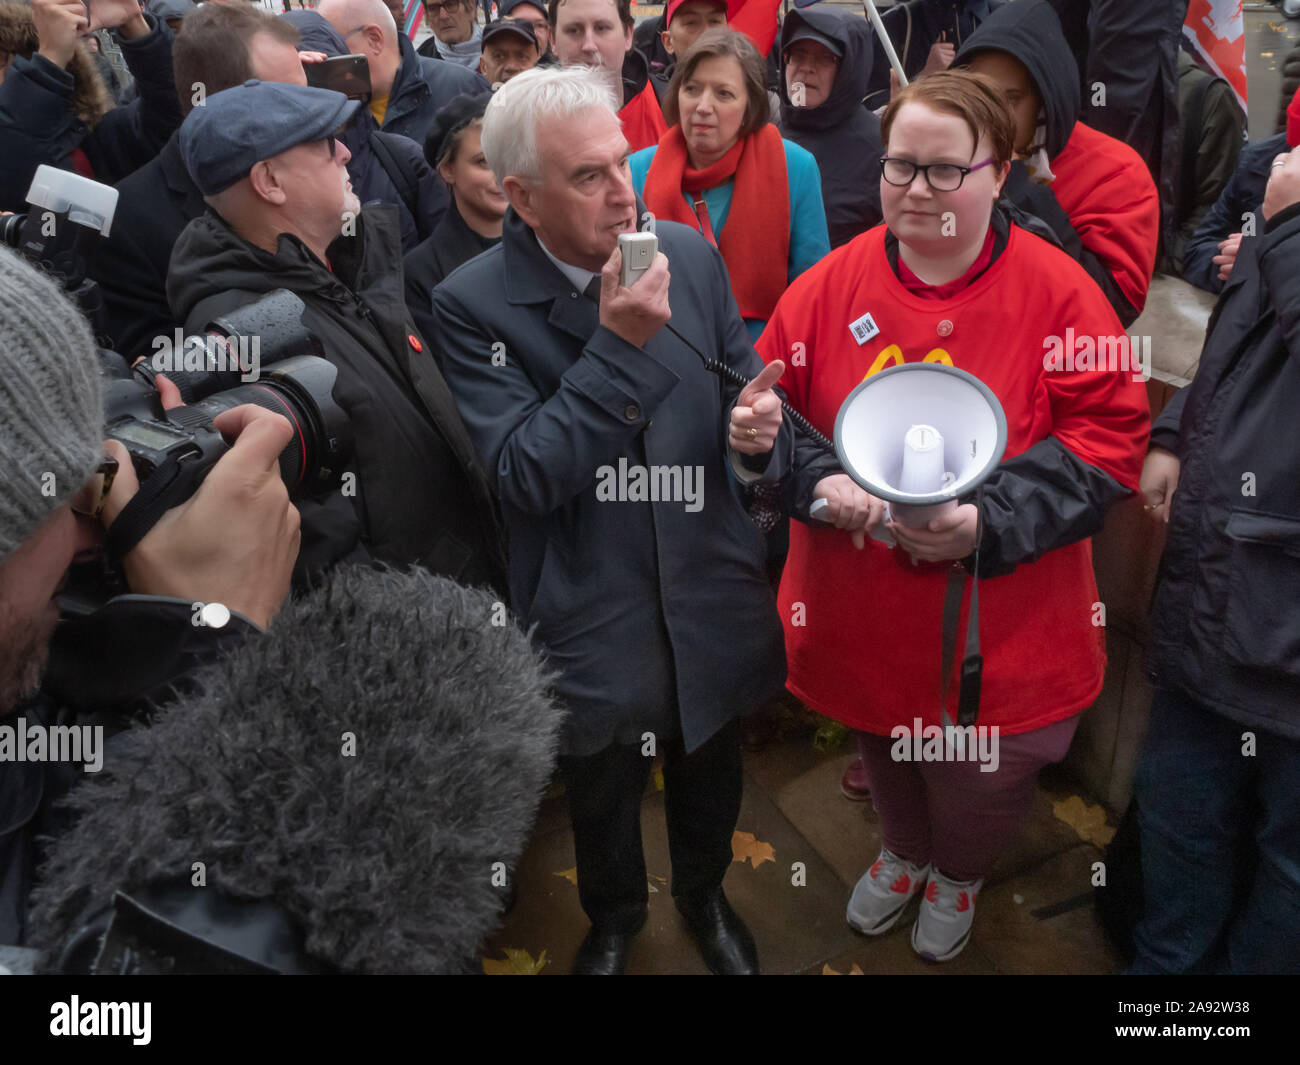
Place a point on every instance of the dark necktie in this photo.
(592, 291)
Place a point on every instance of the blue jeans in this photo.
(1214, 901)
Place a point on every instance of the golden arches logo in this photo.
(893, 355)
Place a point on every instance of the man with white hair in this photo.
(619, 462)
(406, 89)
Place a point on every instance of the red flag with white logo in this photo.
(1216, 30)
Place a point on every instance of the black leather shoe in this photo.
(725, 943)
(602, 954)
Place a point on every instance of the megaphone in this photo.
(919, 436)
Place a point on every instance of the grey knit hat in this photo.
(51, 405)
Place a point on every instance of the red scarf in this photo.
(755, 244)
(643, 119)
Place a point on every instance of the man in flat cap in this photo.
(282, 215)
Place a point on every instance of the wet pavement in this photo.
(800, 848)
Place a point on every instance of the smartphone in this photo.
(347, 74)
(639, 251)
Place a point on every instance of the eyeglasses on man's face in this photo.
(942, 177)
(90, 498)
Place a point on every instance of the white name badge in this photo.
(864, 329)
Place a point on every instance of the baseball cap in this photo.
(673, 5)
(807, 33)
(518, 26)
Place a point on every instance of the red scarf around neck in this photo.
(755, 242)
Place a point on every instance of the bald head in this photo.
(367, 29)
(345, 15)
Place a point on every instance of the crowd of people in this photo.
(616, 460)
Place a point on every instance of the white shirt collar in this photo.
(578, 277)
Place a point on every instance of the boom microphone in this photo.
(358, 777)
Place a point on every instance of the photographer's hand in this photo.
(234, 542)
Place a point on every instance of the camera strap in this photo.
(149, 504)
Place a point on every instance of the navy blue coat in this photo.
(1225, 628)
(420, 87)
(1244, 194)
(643, 607)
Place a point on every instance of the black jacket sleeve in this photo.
(128, 137)
(132, 650)
(1044, 498)
(1165, 430)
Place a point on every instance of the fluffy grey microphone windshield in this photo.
(364, 763)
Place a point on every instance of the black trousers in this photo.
(702, 795)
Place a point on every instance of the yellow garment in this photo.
(378, 106)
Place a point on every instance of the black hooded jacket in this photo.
(420, 493)
(841, 133)
(1030, 31)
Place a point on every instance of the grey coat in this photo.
(652, 612)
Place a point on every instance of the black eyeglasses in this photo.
(942, 177)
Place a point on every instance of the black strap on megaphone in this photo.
(972, 663)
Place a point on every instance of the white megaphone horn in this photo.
(919, 436)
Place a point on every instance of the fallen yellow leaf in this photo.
(1088, 821)
(571, 875)
(745, 845)
(855, 971)
(515, 963)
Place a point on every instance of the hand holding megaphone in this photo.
(838, 501)
(949, 536)
(756, 417)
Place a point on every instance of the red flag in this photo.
(757, 20)
(1216, 30)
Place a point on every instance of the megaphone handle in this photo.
(881, 534)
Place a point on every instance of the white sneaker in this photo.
(884, 891)
(943, 926)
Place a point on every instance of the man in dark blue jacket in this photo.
(1221, 767)
(407, 89)
(55, 109)
(1213, 249)
(619, 462)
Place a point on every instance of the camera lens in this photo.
(300, 389)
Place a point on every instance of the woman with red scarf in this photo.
(948, 279)
(724, 169)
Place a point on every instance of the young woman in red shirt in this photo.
(948, 279)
